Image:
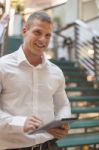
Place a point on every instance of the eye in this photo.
(37, 33)
(48, 36)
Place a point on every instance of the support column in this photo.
(72, 10)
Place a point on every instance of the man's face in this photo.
(37, 37)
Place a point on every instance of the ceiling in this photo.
(35, 5)
(42, 4)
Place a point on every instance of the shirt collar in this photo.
(22, 58)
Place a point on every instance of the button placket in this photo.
(35, 92)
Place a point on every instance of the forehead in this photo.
(39, 24)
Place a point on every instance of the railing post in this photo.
(76, 43)
(96, 57)
(4, 22)
(68, 43)
(70, 47)
(4, 42)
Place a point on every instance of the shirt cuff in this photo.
(17, 124)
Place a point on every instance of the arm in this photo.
(7, 121)
(17, 124)
(10, 123)
(62, 110)
(62, 107)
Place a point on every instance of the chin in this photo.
(39, 51)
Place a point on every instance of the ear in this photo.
(24, 30)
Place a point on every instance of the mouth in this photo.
(40, 45)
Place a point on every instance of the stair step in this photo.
(85, 123)
(79, 139)
(83, 98)
(82, 89)
(79, 110)
(76, 80)
(70, 68)
(72, 73)
(82, 82)
(62, 63)
(67, 68)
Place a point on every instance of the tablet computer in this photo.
(55, 124)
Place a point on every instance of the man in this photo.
(32, 89)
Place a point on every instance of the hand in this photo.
(32, 123)
(59, 132)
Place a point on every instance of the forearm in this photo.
(63, 112)
(62, 106)
(9, 123)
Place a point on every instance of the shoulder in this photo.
(7, 61)
(55, 68)
(8, 58)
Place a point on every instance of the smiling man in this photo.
(32, 90)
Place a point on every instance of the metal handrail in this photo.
(85, 45)
(3, 33)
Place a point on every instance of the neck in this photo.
(32, 58)
(35, 60)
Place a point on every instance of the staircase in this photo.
(83, 96)
(13, 43)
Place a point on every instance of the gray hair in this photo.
(40, 15)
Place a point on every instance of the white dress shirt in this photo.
(27, 90)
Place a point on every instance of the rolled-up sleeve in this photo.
(61, 102)
(7, 121)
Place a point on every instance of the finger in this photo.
(33, 119)
(57, 135)
(65, 126)
(57, 132)
(35, 124)
(60, 131)
(36, 118)
(31, 127)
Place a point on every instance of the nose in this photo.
(42, 38)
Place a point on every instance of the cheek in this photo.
(31, 40)
(27, 39)
(47, 41)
